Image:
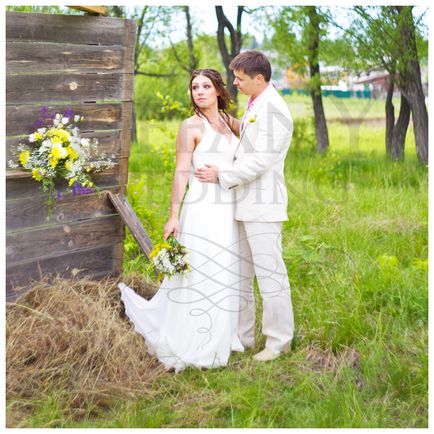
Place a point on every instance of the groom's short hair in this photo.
(252, 62)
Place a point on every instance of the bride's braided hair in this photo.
(224, 99)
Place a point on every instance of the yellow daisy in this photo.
(24, 157)
(38, 174)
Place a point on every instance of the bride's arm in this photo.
(185, 142)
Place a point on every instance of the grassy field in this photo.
(355, 246)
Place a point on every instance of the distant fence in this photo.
(336, 93)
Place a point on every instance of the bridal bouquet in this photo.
(169, 258)
(57, 151)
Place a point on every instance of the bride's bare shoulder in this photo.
(192, 125)
(191, 130)
(194, 121)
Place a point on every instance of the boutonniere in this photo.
(252, 119)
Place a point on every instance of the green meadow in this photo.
(356, 250)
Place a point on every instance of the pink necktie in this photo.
(249, 104)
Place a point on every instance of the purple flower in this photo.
(69, 113)
(76, 188)
(39, 123)
(43, 110)
(59, 196)
(86, 190)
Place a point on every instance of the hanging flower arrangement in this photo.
(56, 150)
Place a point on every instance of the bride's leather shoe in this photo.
(265, 355)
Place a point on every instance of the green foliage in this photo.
(149, 92)
(168, 97)
(374, 32)
(171, 108)
(388, 263)
(150, 216)
(293, 33)
(303, 137)
(44, 9)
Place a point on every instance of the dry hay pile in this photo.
(73, 338)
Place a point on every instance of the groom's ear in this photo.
(261, 78)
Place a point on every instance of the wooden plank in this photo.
(109, 142)
(105, 116)
(118, 264)
(26, 187)
(123, 175)
(130, 218)
(32, 212)
(93, 263)
(123, 165)
(68, 87)
(40, 57)
(17, 174)
(98, 10)
(72, 29)
(48, 242)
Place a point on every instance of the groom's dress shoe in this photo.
(265, 355)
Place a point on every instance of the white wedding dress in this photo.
(192, 319)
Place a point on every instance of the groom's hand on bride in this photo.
(172, 225)
(208, 173)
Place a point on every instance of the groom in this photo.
(257, 176)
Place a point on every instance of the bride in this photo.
(192, 319)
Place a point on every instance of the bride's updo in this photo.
(223, 100)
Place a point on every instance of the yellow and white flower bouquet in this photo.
(57, 151)
(169, 258)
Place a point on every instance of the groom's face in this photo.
(244, 83)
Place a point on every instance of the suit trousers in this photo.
(261, 254)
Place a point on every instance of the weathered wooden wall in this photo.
(85, 63)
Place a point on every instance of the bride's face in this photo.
(203, 91)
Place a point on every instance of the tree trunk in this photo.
(390, 116)
(412, 82)
(192, 60)
(400, 130)
(236, 41)
(321, 131)
(396, 133)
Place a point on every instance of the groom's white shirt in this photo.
(257, 174)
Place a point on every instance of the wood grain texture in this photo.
(32, 212)
(84, 63)
(73, 29)
(52, 241)
(95, 262)
(68, 87)
(97, 117)
(41, 57)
